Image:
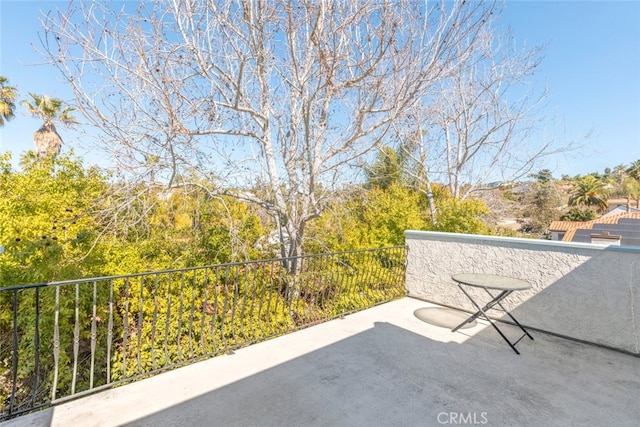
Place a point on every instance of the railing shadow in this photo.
(388, 375)
(362, 372)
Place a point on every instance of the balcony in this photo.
(398, 363)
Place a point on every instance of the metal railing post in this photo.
(223, 306)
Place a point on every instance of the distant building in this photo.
(620, 209)
(615, 229)
(520, 189)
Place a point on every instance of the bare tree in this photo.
(280, 95)
(484, 120)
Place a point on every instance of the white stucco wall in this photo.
(587, 292)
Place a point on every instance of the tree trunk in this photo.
(47, 140)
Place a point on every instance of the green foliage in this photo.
(162, 319)
(50, 109)
(542, 205)
(173, 317)
(634, 170)
(229, 231)
(543, 176)
(508, 195)
(462, 216)
(369, 219)
(577, 214)
(8, 95)
(180, 229)
(379, 217)
(631, 187)
(60, 221)
(46, 221)
(387, 170)
(589, 191)
(49, 232)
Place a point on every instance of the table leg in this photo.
(481, 311)
(511, 316)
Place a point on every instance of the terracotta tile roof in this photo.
(571, 226)
(568, 237)
(568, 225)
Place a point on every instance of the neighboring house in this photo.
(616, 229)
(519, 190)
(621, 209)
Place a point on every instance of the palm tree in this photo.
(631, 188)
(589, 192)
(48, 141)
(7, 100)
(634, 170)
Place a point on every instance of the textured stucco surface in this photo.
(587, 293)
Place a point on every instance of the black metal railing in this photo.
(61, 340)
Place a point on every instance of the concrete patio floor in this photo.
(380, 367)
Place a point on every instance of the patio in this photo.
(379, 367)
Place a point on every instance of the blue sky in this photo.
(591, 67)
